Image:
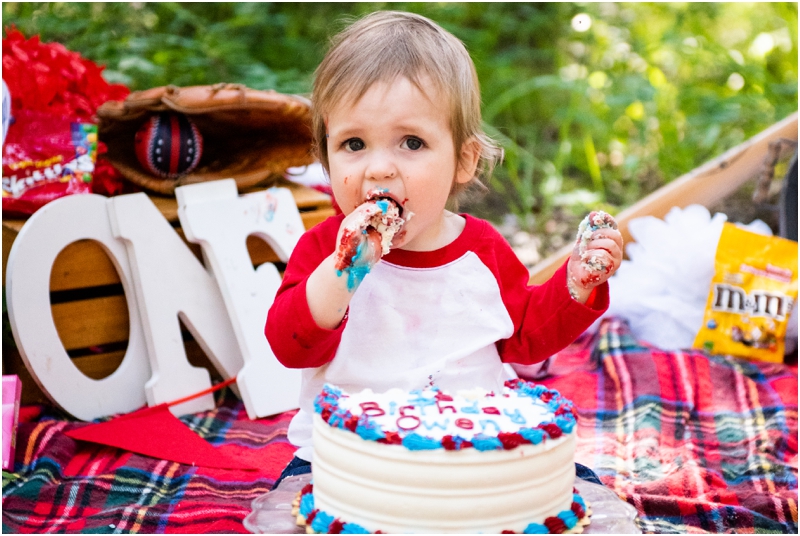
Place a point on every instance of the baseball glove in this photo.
(249, 135)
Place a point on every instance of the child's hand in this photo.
(596, 256)
(358, 245)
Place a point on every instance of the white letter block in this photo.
(171, 282)
(30, 261)
(215, 217)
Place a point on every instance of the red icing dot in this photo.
(311, 516)
(508, 532)
(392, 438)
(325, 414)
(547, 396)
(308, 488)
(577, 509)
(562, 410)
(351, 423)
(335, 527)
(448, 443)
(511, 440)
(552, 430)
(491, 410)
(555, 525)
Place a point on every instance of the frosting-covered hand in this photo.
(366, 235)
(596, 256)
(358, 243)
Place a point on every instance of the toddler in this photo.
(398, 291)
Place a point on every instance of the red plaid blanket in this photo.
(695, 443)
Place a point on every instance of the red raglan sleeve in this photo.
(295, 338)
(546, 318)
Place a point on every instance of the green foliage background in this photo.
(594, 118)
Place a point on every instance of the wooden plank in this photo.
(705, 185)
(306, 199)
(93, 322)
(99, 366)
(84, 264)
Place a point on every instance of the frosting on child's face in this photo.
(396, 138)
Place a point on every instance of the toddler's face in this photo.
(396, 138)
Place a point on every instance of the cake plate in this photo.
(272, 512)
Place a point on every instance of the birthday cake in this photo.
(427, 461)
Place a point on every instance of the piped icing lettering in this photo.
(522, 414)
(515, 416)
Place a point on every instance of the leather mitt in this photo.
(249, 135)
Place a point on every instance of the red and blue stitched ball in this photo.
(168, 145)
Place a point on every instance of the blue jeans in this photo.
(302, 467)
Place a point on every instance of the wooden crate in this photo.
(88, 303)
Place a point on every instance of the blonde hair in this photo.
(386, 44)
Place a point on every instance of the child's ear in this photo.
(468, 160)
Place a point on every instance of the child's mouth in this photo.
(381, 196)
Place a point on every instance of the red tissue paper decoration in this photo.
(46, 77)
(51, 147)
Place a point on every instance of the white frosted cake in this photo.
(431, 462)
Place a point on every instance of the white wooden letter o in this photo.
(41, 239)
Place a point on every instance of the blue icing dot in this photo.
(458, 441)
(566, 425)
(332, 389)
(482, 442)
(352, 528)
(536, 528)
(417, 442)
(382, 204)
(534, 435)
(321, 522)
(338, 418)
(369, 431)
(569, 518)
(306, 504)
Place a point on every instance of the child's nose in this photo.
(381, 167)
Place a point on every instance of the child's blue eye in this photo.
(354, 144)
(415, 144)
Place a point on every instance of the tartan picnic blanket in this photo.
(696, 443)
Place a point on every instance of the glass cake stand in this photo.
(272, 512)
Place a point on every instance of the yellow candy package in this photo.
(752, 293)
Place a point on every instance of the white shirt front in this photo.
(409, 328)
